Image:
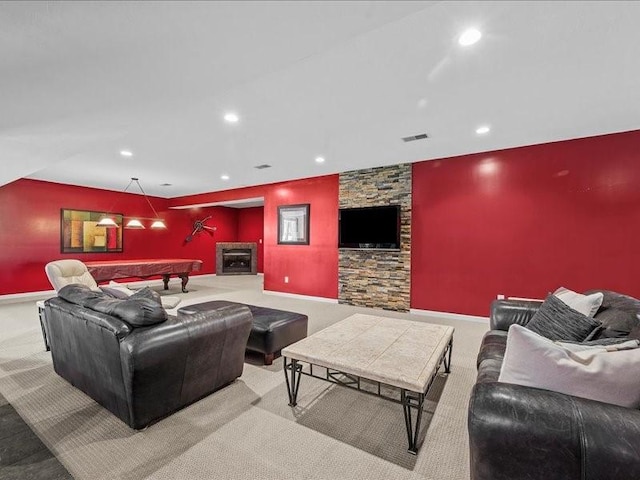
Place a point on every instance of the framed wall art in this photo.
(293, 224)
(80, 232)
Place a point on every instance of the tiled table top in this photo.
(401, 353)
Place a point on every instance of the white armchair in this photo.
(68, 271)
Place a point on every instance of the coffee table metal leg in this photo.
(447, 362)
(292, 385)
(412, 400)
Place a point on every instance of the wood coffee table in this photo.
(387, 351)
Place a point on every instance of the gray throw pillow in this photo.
(140, 312)
(146, 292)
(557, 321)
(114, 292)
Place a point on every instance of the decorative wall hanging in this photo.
(199, 226)
(80, 232)
(293, 224)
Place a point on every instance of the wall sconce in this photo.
(133, 222)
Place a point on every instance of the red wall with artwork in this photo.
(524, 221)
(518, 222)
(30, 230)
(311, 269)
(203, 244)
(251, 229)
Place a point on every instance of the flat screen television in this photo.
(369, 227)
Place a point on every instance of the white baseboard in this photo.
(301, 297)
(451, 316)
(19, 297)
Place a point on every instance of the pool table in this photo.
(145, 268)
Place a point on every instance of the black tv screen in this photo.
(370, 227)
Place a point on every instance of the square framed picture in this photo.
(293, 224)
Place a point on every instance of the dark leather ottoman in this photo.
(272, 329)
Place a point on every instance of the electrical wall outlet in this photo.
(286, 279)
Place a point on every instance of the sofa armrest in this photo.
(505, 313)
(523, 432)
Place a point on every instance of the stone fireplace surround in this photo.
(235, 248)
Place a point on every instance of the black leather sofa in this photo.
(518, 432)
(136, 361)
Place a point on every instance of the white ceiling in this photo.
(79, 81)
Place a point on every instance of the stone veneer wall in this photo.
(377, 278)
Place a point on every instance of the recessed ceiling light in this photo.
(483, 130)
(469, 37)
(231, 117)
(319, 159)
(126, 153)
(224, 177)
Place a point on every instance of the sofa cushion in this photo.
(618, 315)
(598, 374)
(586, 304)
(116, 292)
(138, 311)
(557, 321)
(80, 294)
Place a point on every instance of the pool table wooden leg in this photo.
(185, 278)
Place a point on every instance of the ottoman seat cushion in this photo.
(272, 329)
(275, 329)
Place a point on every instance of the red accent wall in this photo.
(312, 269)
(30, 230)
(524, 221)
(203, 244)
(251, 229)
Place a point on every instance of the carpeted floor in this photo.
(246, 430)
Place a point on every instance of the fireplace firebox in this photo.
(236, 258)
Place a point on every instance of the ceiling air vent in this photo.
(262, 167)
(413, 138)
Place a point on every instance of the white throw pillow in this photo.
(580, 347)
(588, 305)
(121, 287)
(608, 376)
(170, 302)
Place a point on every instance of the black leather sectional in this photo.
(518, 432)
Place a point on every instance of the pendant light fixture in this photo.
(134, 223)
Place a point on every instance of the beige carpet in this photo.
(246, 430)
